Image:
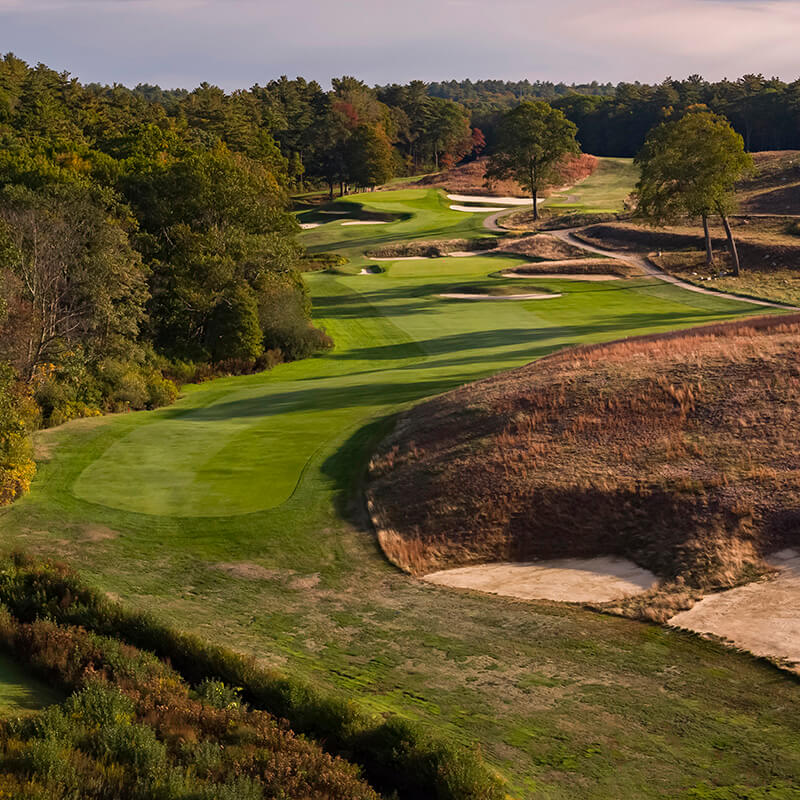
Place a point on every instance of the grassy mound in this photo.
(775, 187)
(675, 450)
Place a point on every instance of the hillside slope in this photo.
(677, 451)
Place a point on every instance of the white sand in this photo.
(307, 226)
(482, 198)
(365, 222)
(400, 258)
(762, 617)
(370, 271)
(465, 296)
(467, 253)
(560, 276)
(478, 209)
(573, 580)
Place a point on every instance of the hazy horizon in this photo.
(235, 44)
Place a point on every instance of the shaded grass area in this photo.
(20, 692)
(565, 703)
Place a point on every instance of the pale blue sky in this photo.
(236, 43)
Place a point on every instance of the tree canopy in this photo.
(532, 139)
(690, 166)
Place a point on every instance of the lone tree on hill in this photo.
(531, 141)
(690, 166)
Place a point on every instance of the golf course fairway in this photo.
(236, 513)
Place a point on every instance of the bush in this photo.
(395, 755)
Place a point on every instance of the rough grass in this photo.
(676, 451)
(779, 284)
(566, 704)
(769, 250)
(775, 186)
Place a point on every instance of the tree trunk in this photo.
(731, 245)
(709, 246)
(330, 186)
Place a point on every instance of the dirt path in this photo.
(490, 223)
(643, 263)
(762, 617)
(570, 580)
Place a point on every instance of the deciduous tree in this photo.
(690, 166)
(532, 140)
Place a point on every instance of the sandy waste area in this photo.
(762, 617)
(468, 296)
(572, 580)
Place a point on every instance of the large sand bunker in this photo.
(478, 209)
(572, 580)
(483, 198)
(365, 222)
(307, 226)
(470, 296)
(762, 617)
(561, 276)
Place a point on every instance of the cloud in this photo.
(236, 43)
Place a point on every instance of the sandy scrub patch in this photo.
(467, 296)
(571, 580)
(560, 276)
(250, 572)
(483, 198)
(365, 222)
(305, 581)
(401, 258)
(478, 209)
(98, 533)
(307, 226)
(762, 617)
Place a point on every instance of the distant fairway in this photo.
(237, 514)
(603, 191)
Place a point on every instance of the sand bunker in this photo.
(559, 276)
(478, 209)
(365, 222)
(335, 213)
(370, 271)
(401, 258)
(572, 580)
(482, 198)
(762, 617)
(468, 296)
(307, 226)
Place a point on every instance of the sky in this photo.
(237, 43)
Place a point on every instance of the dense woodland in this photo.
(146, 237)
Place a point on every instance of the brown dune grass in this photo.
(677, 450)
